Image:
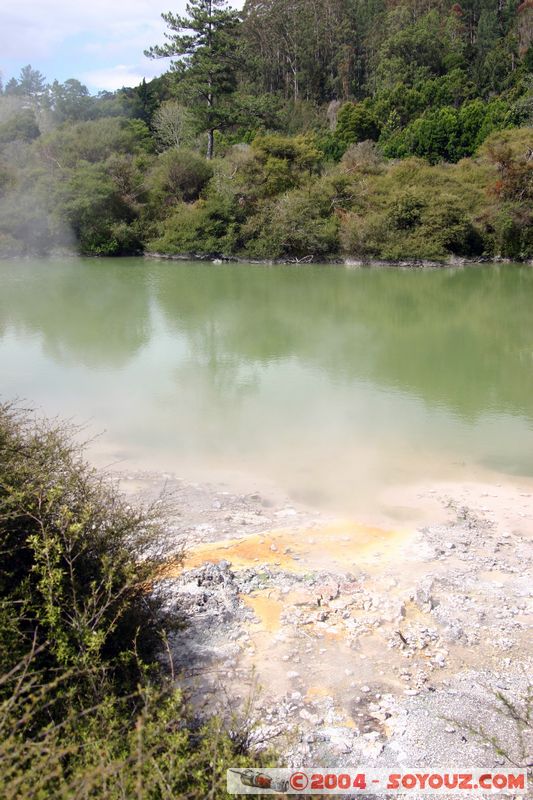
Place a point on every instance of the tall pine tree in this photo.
(205, 44)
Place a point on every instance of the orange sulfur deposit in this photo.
(337, 547)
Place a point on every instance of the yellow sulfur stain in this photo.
(242, 553)
(347, 722)
(315, 692)
(266, 609)
(337, 546)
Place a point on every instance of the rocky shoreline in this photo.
(342, 643)
(347, 261)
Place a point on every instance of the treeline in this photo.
(327, 119)
(321, 50)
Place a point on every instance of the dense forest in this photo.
(294, 129)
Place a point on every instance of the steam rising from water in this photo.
(29, 219)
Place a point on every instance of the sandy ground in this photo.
(344, 642)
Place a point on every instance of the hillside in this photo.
(361, 129)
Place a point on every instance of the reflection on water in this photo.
(336, 383)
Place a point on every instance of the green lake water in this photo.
(333, 383)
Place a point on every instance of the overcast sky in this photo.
(100, 42)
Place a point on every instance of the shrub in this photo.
(510, 221)
(84, 710)
(69, 579)
(91, 202)
(296, 225)
(363, 236)
(406, 211)
(356, 122)
(511, 153)
(22, 126)
(283, 162)
(151, 749)
(510, 228)
(298, 151)
(412, 224)
(178, 175)
(362, 157)
(95, 140)
(204, 228)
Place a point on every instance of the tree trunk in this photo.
(210, 144)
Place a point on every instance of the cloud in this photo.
(100, 42)
(74, 39)
(111, 78)
(36, 27)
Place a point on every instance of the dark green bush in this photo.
(412, 224)
(69, 579)
(178, 175)
(95, 140)
(85, 710)
(205, 228)
(406, 211)
(90, 200)
(282, 163)
(21, 126)
(297, 225)
(356, 122)
(447, 133)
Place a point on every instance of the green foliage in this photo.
(150, 748)
(356, 123)
(510, 221)
(286, 91)
(409, 102)
(69, 584)
(71, 101)
(90, 201)
(330, 146)
(297, 225)
(528, 58)
(414, 49)
(512, 230)
(31, 84)
(206, 228)
(84, 182)
(448, 134)
(415, 212)
(22, 126)
(95, 140)
(283, 161)
(178, 175)
(84, 709)
(299, 151)
(205, 40)
(511, 153)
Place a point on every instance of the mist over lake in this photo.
(334, 383)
